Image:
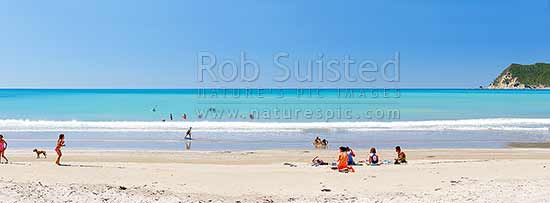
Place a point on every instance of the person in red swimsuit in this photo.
(3, 147)
(60, 143)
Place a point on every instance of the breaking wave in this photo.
(496, 124)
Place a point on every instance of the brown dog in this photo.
(38, 152)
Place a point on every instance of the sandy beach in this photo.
(433, 175)
(274, 101)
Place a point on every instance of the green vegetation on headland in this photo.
(524, 76)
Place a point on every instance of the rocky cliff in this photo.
(517, 76)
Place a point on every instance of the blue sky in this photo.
(154, 44)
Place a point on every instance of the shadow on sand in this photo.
(81, 165)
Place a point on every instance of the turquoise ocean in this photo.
(248, 119)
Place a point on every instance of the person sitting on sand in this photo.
(343, 159)
(373, 157)
(351, 154)
(401, 156)
(3, 147)
(60, 143)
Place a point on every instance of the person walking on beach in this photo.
(60, 143)
(3, 147)
(188, 134)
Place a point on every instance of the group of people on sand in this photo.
(320, 143)
(344, 163)
(58, 146)
(346, 158)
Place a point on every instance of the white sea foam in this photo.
(497, 124)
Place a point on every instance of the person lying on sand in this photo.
(373, 157)
(401, 156)
(343, 159)
(3, 147)
(318, 162)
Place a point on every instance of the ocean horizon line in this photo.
(285, 88)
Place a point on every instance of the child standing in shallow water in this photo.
(60, 143)
(3, 147)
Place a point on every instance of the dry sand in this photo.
(433, 175)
